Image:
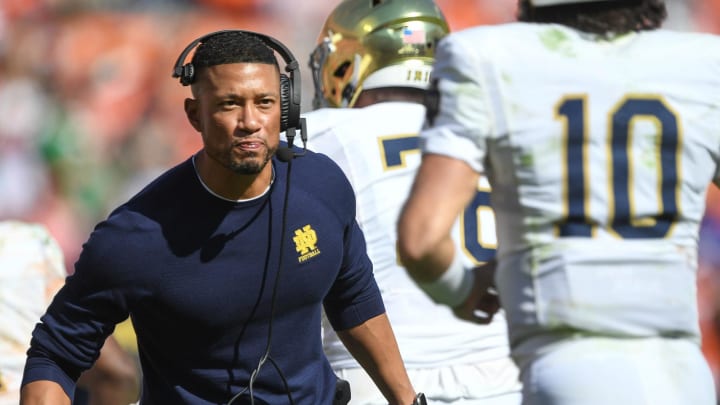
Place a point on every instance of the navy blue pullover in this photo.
(196, 274)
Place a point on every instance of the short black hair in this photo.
(603, 18)
(233, 47)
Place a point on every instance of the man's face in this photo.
(237, 111)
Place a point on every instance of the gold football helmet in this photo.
(368, 44)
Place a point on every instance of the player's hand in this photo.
(483, 302)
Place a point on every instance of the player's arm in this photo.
(43, 392)
(373, 345)
(442, 188)
(114, 378)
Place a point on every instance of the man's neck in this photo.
(228, 185)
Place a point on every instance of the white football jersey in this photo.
(32, 270)
(599, 154)
(378, 149)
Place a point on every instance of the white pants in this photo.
(490, 383)
(602, 371)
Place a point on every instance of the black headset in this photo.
(289, 85)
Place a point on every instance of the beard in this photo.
(250, 162)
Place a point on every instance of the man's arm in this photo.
(442, 188)
(113, 380)
(373, 345)
(43, 393)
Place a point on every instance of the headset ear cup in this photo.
(188, 74)
(285, 92)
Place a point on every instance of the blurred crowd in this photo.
(89, 111)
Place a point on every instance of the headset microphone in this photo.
(286, 154)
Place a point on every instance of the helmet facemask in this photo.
(367, 45)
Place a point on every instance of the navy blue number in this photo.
(623, 218)
(575, 191)
(393, 151)
(472, 240)
(395, 148)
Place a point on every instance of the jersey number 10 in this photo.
(623, 219)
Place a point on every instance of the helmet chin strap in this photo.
(349, 100)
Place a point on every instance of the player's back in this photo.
(599, 154)
(377, 148)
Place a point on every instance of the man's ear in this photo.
(192, 113)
